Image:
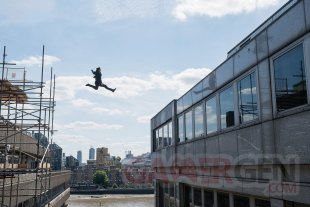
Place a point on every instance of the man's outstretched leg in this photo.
(110, 89)
(94, 87)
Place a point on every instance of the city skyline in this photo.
(152, 52)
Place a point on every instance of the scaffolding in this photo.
(26, 130)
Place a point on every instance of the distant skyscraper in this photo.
(91, 153)
(79, 156)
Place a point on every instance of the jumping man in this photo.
(98, 81)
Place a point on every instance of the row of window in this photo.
(203, 118)
(218, 111)
(198, 197)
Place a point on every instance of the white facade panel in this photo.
(265, 95)
(228, 146)
(245, 58)
(197, 92)
(292, 138)
(287, 28)
(225, 72)
(262, 46)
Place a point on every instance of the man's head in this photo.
(98, 69)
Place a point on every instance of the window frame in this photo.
(202, 104)
(254, 70)
(231, 85)
(190, 110)
(280, 53)
(217, 111)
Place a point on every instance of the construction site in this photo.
(27, 110)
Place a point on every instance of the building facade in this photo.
(56, 156)
(102, 157)
(79, 156)
(91, 153)
(240, 137)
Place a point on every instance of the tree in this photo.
(100, 178)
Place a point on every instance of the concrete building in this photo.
(72, 163)
(102, 157)
(79, 157)
(91, 153)
(240, 136)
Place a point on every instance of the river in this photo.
(111, 201)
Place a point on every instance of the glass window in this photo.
(211, 115)
(198, 111)
(227, 108)
(170, 141)
(160, 138)
(197, 197)
(222, 200)
(241, 201)
(262, 203)
(290, 79)
(165, 135)
(171, 190)
(209, 199)
(181, 128)
(188, 125)
(247, 98)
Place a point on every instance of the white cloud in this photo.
(37, 61)
(81, 103)
(145, 119)
(218, 8)
(109, 111)
(67, 87)
(79, 125)
(113, 10)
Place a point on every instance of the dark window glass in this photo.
(290, 79)
(170, 141)
(247, 98)
(188, 125)
(222, 200)
(166, 188)
(181, 128)
(240, 201)
(262, 203)
(198, 121)
(197, 197)
(165, 135)
(171, 190)
(209, 199)
(160, 137)
(295, 204)
(227, 108)
(188, 195)
(211, 115)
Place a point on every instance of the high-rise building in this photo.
(91, 153)
(102, 156)
(79, 156)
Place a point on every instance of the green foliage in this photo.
(114, 186)
(100, 177)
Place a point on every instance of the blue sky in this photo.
(152, 51)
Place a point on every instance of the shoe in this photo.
(87, 84)
(113, 90)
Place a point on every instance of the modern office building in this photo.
(91, 153)
(241, 136)
(79, 156)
